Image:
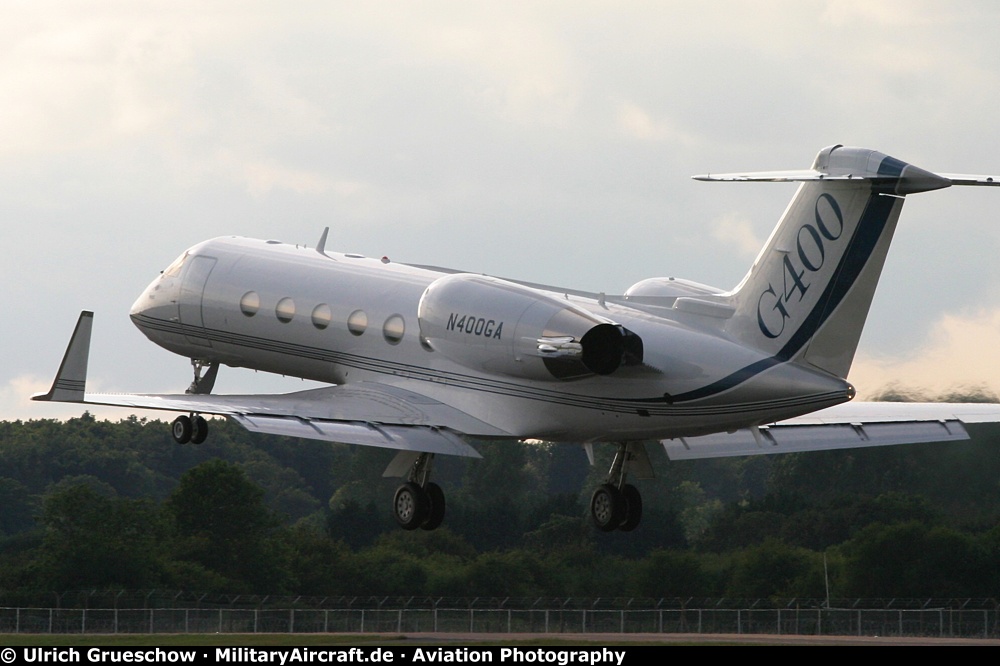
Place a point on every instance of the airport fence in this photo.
(933, 618)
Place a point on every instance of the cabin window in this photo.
(285, 310)
(393, 329)
(322, 316)
(250, 303)
(357, 322)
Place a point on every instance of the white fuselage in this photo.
(345, 319)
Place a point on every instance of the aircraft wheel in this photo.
(181, 429)
(607, 507)
(436, 515)
(199, 430)
(410, 506)
(633, 508)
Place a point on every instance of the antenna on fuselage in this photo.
(321, 246)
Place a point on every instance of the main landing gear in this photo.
(616, 505)
(194, 428)
(419, 502)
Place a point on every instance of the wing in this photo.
(847, 426)
(368, 414)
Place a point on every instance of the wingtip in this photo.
(71, 380)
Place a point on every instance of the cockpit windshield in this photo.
(174, 269)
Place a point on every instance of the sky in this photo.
(546, 141)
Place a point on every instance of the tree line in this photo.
(96, 504)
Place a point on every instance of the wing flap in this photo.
(365, 402)
(404, 438)
(799, 438)
(364, 414)
(846, 426)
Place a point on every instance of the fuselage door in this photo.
(189, 304)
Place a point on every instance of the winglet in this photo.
(71, 380)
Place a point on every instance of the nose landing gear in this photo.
(204, 380)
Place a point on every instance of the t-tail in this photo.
(808, 293)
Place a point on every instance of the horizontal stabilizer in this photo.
(809, 175)
(794, 176)
(971, 179)
(840, 164)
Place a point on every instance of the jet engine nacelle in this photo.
(501, 327)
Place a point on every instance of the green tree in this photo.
(223, 524)
(319, 565)
(669, 573)
(18, 507)
(775, 569)
(96, 540)
(914, 560)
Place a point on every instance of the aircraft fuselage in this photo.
(506, 353)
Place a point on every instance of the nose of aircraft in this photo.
(157, 301)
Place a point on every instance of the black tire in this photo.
(199, 430)
(633, 508)
(436, 515)
(181, 429)
(607, 507)
(410, 506)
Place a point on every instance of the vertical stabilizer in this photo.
(808, 293)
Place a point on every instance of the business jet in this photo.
(426, 360)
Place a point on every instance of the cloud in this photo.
(638, 123)
(16, 404)
(263, 176)
(893, 13)
(515, 62)
(14, 396)
(737, 231)
(961, 350)
(81, 80)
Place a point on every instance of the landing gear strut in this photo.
(616, 505)
(203, 383)
(419, 502)
(194, 428)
